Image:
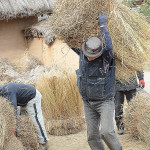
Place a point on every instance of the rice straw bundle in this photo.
(65, 127)
(14, 144)
(26, 133)
(2, 131)
(77, 20)
(130, 35)
(7, 113)
(137, 117)
(61, 103)
(124, 73)
(73, 21)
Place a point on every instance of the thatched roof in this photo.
(10, 9)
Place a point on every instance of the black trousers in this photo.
(119, 102)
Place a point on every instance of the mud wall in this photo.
(12, 40)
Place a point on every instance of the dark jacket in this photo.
(18, 94)
(127, 86)
(96, 79)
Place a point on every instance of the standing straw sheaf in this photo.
(61, 102)
(137, 118)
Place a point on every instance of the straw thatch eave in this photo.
(10, 9)
(41, 29)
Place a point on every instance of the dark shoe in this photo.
(44, 146)
(120, 131)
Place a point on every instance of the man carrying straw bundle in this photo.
(29, 99)
(96, 83)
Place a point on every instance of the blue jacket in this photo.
(96, 79)
(18, 94)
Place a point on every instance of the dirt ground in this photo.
(78, 142)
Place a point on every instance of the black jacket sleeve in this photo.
(140, 75)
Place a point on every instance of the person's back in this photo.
(18, 93)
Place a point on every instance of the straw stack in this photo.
(61, 102)
(137, 118)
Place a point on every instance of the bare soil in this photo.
(79, 142)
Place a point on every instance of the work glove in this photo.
(102, 19)
(142, 84)
(15, 133)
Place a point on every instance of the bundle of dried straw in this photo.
(137, 118)
(61, 103)
(8, 139)
(26, 138)
(77, 20)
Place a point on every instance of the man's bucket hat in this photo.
(92, 48)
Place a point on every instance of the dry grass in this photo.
(137, 118)
(61, 100)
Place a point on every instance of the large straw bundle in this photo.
(26, 133)
(61, 103)
(26, 138)
(14, 144)
(137, 117)
(7, 113)
(77, 20)
(130, 35)
(2, 131)
(65, 127)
